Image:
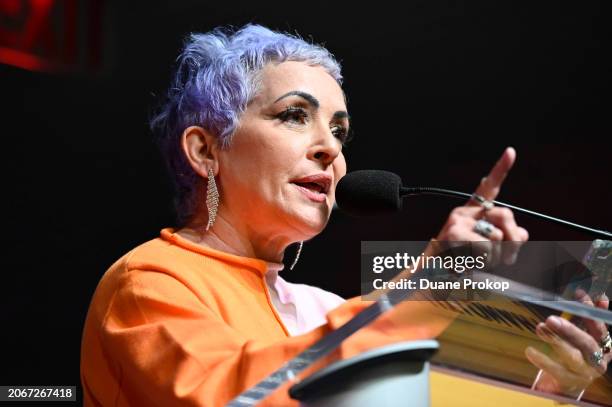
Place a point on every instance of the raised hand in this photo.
(478, 222)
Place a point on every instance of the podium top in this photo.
(417, 352)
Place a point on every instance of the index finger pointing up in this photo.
(491, 184)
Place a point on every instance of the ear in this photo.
(201, 150)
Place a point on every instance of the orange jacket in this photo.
(173, 323)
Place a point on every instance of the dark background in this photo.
(436, 91)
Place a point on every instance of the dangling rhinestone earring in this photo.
(297, 255)
(212, 199)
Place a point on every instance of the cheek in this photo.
(259, 170)
(247, 157)
(339, 167)
(339, 170)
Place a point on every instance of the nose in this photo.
(326, 147)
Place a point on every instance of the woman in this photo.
(252, 132)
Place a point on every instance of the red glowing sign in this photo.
(48, 35)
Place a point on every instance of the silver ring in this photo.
(596, 358)
(606, 344)
(485, 203)
(483, 228)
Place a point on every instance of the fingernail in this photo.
(555, 322)
(530, 353)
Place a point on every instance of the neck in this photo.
(230, 237)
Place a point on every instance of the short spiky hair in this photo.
(216, 77)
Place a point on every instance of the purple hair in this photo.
(216, 77)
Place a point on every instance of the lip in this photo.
(321, 179)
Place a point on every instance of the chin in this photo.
(312, 225)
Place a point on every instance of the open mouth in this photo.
(312, 186)
(315, 187)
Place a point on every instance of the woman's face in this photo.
(278, 177)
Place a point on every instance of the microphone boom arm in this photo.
(462, 195)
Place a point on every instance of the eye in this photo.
(293, 114)
(341, 133)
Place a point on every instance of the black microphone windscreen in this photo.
(369, 192)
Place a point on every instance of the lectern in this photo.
(483, 336)
(394, 375)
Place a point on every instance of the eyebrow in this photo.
(311, 99)
(340, 114)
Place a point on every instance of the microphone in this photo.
(373, 192)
